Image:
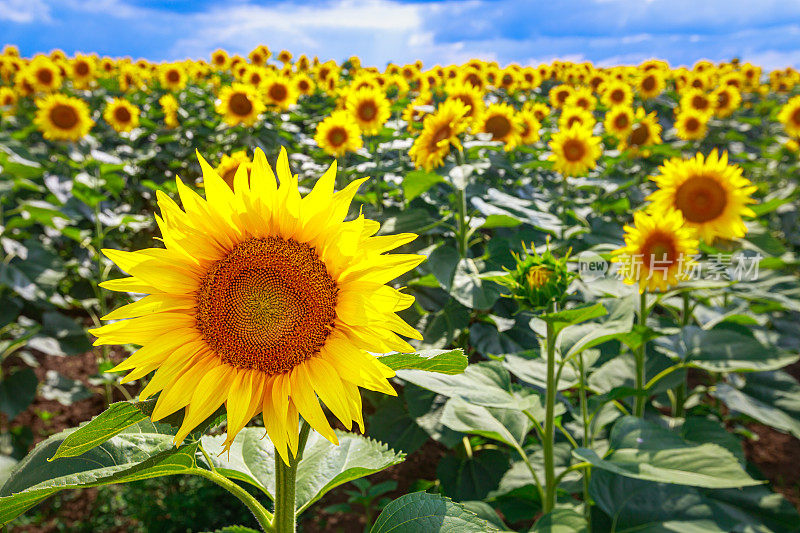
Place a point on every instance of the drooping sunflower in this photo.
(646, 131)
(279, 92)
(619, 121)
(121, 114)
(711, 195)
(575, 151)
(173, 77)
(62, 118)
(691, 125)
(262, 301)
(440, 132)
(338, 134)
(617, 93)
(500, 120)
(790, 117)
(370, 109)
(239, 104)
(659, 249)
(229, 166)
(530, 127)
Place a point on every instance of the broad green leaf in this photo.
(440, 361)
(579, 337)
(417, 182)
(471, 478)
(322, 467)
(421, 512)
(534, 371)
(17, 391)
(724, 350)
(642, 450)
(508, 426)
(126, 457)
(501, 221)
(470, 289)
(519, 475)
(645, 506)
(571, 317)
(772, 398)
(393, 424)
(561, 521)
(487, 384)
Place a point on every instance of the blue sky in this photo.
(606, 32)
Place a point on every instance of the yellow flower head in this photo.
(370, 108)
(697, 100)
(500, 120)
(575, 151)
(468, 95)
(280, 92)
(790, 117)
(8, 99)
(711, 195)
(173, 76)
(559, 95)
(646, 131)
(229, 165)
(650, 84)
(82, 70)
(619, 121)
(303, 84)
(581, 98)
(726, 100)
(121, 115)
(691, 125)
(62, 118)
(658, 251)
(440, 132)
(263, 301)
(338, 134)
(575, 116)
(616, 93)
(530, 127)
(43, 75)
(220, 59)
(239, 104)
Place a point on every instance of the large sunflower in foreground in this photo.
(710, 194)
(263, 301)
(658, 251)
(239, 104)
(575, 151)
(121, 114)
(62, 118)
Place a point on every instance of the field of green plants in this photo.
(581, 357)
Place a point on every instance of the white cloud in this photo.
(24, 11)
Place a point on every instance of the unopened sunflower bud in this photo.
(537, 280)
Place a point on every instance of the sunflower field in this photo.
(285, 294)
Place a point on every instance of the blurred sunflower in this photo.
(530, 127)
(789, 116)
(169, 105)
(500, 120)
(572, 116)
(726, 100)
(416, 110)
(619, 121)
(259, 55)
(43, 75)
(173, 77)
(540, 110)
(262, 301)
(303, 84)
(284, 56)
(711, 195)
(8, 99)
(121, 115)
(646, 131)
(82, 71)
(691, 125)
(558, 95)
(369, 108)
(440, 132)
(575, 151)
(229, 165)
(658, 251)
(338, 134)
(62, 118)
(617, 93)
(220, 59)
(469, 96)
(696, 100)
(280, 92)
(239, 104)
(650, 84)
(582, 98)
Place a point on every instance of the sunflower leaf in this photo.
(439, 361)
(421, 511)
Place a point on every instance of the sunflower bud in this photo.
(537, 279)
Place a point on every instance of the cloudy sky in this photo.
(606, 32)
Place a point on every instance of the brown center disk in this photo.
(268, 305)
(659, 251)
(796, 116)
(278, 93)
(701, 199)
(173, 76)
(240, 104)
(692, 124)
(649, 83)
(639, 135)
(498, 126)
(64, 116)
(82, 68)
(574, 150)
(621, 121)
(45, 76)
(122, 114)
(618, 96)
(337, 136)
(367, 110)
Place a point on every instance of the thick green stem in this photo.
(285, 510)
(680, 391)
(587, 440)
(638, 406)
(548, 442)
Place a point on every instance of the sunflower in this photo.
(279, 92)
(646, 131)
(500, 120)
(468, 95)
(650, 84)
(540, 110)
(338, 134)
(259, 55)
(253, 75)
(173, 77)
(659, 249)
(619, 121)
(416, 110)
(691, 125)
(62, 118)
(43, 75)
(697, 100)
(571, 116)
(582, 98)
(220, 59)
(121, 114)
(82, 71)
(285, 56)
(262, 301)
(710, 194)
(440, 132)
(229, 165)
(8, 99)
(559, 94)
(472, 76)
(530, 127)
(616, 93)
(726, 100)
(169, 105)
(790, 117)
(303, 84)
(369, 108)
(239, 104)
(575, 151)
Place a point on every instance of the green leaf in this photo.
(132, 456)
(570, 317)
(417, 182)
(643, 450)
(561, 521)
(440, 361)
(391, 423)
(500, 221)
(505, 425)
(17, 391)
(470, 289)
(576, 338)
(471, 478)
(644, 506)
(421, 512)
(322, 467)
(772, 398)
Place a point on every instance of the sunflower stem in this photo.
(463, 225)
(259, 512)
(638, 405)
(680, 391)
(548, 441)
(285, 475)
